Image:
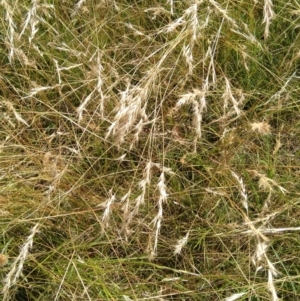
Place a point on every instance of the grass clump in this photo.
(149, 150)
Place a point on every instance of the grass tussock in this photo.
(149, 150)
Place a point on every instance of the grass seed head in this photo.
(261, 127)
(3, 260)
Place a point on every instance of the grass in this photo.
(149, 150)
